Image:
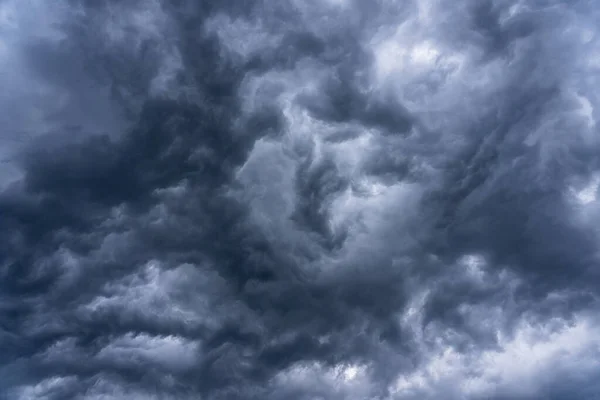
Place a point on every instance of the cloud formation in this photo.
(324, 199)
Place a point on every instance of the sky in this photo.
(299, 200)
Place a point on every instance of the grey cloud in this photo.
(302, 200)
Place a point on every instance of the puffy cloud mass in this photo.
(319, 199)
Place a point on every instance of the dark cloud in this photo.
(302, 200)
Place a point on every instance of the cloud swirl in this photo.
(320, 199)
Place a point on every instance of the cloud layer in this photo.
(323, 199)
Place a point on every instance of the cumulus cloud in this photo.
(324, 199)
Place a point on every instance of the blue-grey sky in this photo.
(317, 199)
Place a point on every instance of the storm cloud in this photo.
(321, 199)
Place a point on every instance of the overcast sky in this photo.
(299, 199)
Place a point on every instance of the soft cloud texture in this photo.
(324, 199)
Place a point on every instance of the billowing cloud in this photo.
(324, 199)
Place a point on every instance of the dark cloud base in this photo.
(299, 200)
